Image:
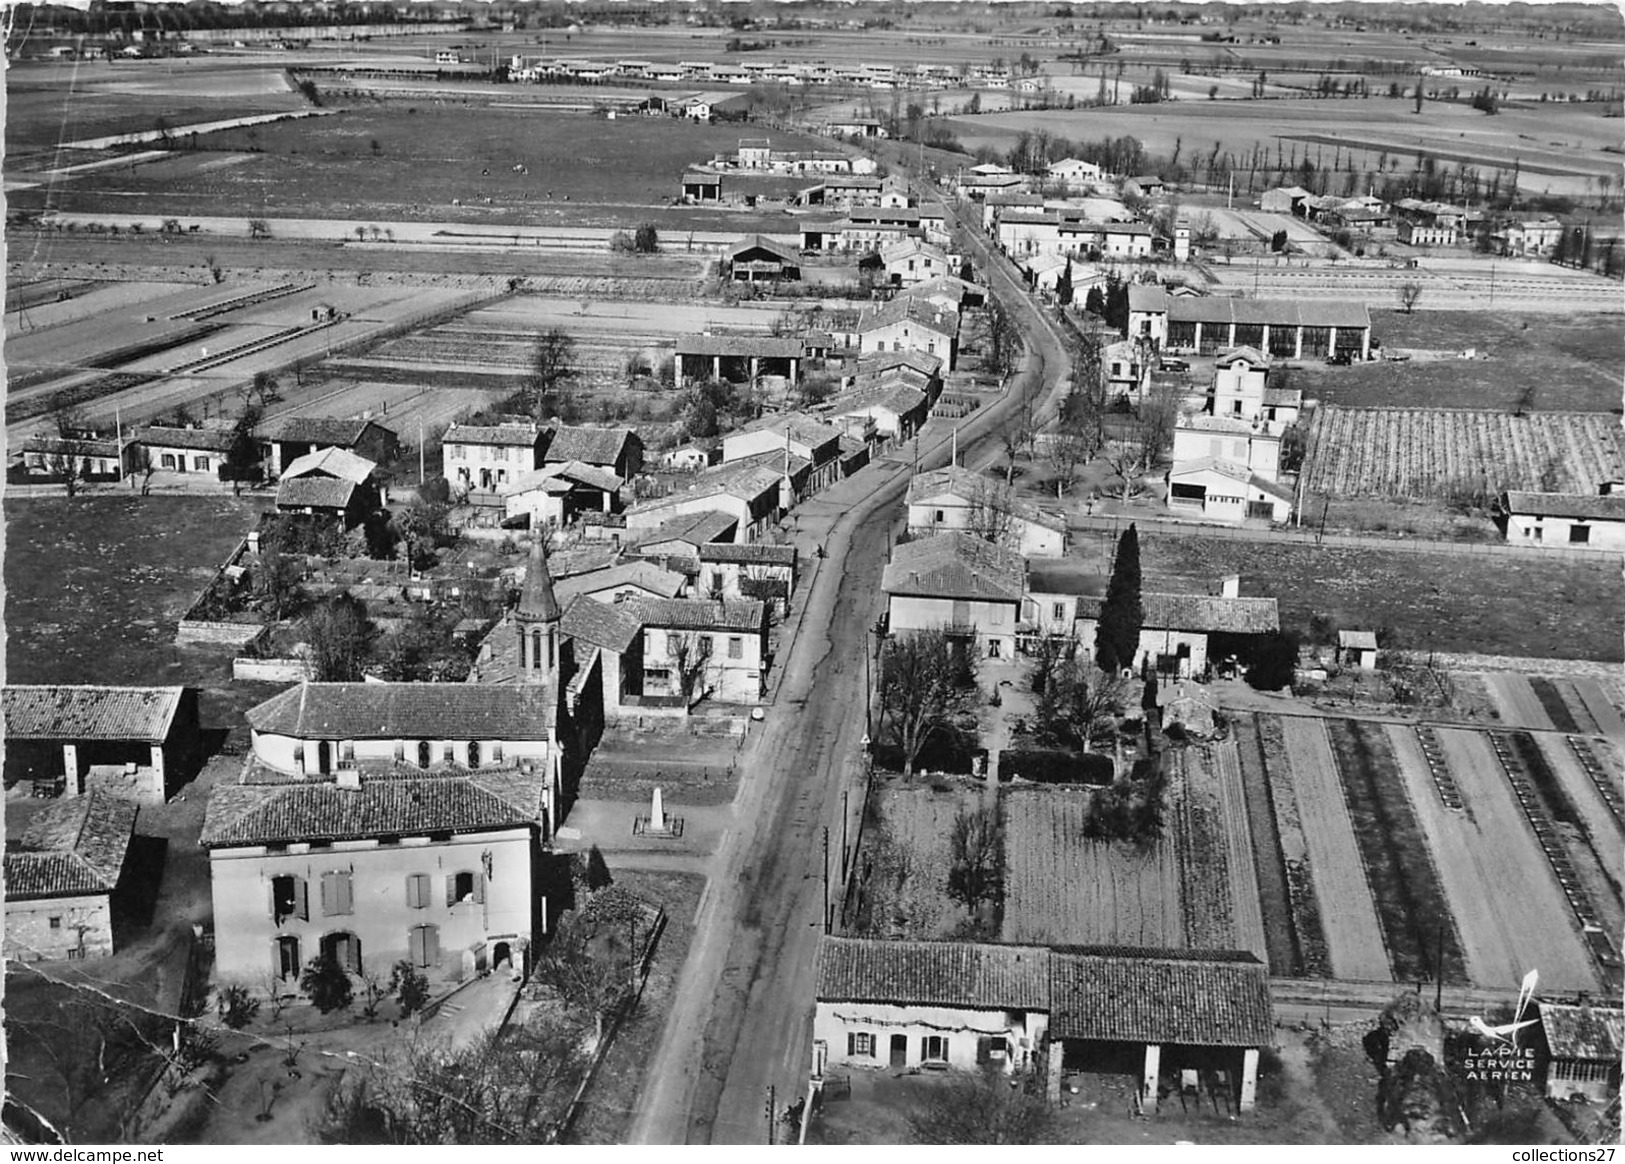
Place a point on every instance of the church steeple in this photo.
(537, 618)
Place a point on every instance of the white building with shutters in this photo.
(376, 822)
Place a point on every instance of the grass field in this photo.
(1431, 601)
(904, 893)
(1572, 362)
(539, 166)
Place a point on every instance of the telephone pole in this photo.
(771, 1106)
(826, 879)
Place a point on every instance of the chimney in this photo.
(1230, 586)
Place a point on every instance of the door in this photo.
(324, 758)
(899, 1050)
(287, 952)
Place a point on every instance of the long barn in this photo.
(1290, 328)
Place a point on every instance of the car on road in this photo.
(1174, 366)
(1340, 359)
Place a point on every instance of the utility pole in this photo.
(771, 1107)
(826, 879)
(421, 477)
(845, 851)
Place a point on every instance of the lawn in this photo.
(1417, 925)
(532, 165)
(1431, 601)
(1571, 362)
(96, 584)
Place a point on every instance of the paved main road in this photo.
(742, 1019)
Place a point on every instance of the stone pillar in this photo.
(716, 367)
(70, 769)
(1148, 1086)
(156, 752)
(1331, 341)
(1297, 342)
(795, 370)
(1365, 344)
(1249, 1078)
(755, 367)
(1196, 340)
(1266, 341)
(1052, 1084)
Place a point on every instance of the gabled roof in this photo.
(1283, 396)
(1357, 640)
(89, 713)
(1201, 613)
(312, 810)
(895, 396)
(564, 474)
(519, 435)
(1230, 469)
(795, 426)
(757, 344)
(971, 975)
(1206, 422)
(1588, 506)
(609, 626)
(1064, 576)
(73, 446)
(1159, 996)
(316, 492)
(396, 711)
(203, 440)
(592, 446)
(1243, 354)
(1583, 1032)
(919, 311)
(952, 285)
(1284, 312)
(759, 242)
(743, 614)
(902, 250)
(707, 525)
(1147, 297)
(954, 565)
(925, 363)
(74, 847)
(319, 430)
(748, 553)
(971, 487)
(640, 573)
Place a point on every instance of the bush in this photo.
(238, 1007)
(1052, 766)
(410, 987)
(1128, 810)
(1274, 662)
(327, 983)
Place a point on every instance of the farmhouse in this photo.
(895, 1005)
(1536, 236)
(1127, 366)
(1179, 633)
(1292, 328)
(1582, 1047)
(331, 484)
(753, 493)
(856, 127)
(793, 435)
(1240, 391)
(958, 583)
(1028, 232)
(951, 293)
(614, 450)
(139, 743)
(1161, 1014)
(996, 205)
(913, 325)
(1055, 586)
(738, 357)
(1073, 173)
(1429, 223)
(299, 436)
(190, 450)
(911, 262)
(554, 496)
(764, 572)
(94, 459)
(65, 878)
(892, 409)
(955, 498)
(677, 542)
(695, 649)
(1145, 185)
(486, 456)
(756, 258)
(1283, 200)
(1595, 520)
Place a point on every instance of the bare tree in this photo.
(976, 857)
(1154, 422)
(553, 366)
(691, 658)
(1077, 698)
(985, 1108)
(1069, 448)
(1016, 435)
(1004, 339)
(594, 976)
(992, 515)
(1125, 458)
(65, 458)
(258, 228)
(1408, 294)
(919, 692)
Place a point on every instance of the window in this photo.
(54, 923)
(201, 464)
(465, 886)
(934, 1049)
(167, 461)
(337, 897)
(449, 756)
(347, 751)
(1579, 534)
(736, 647)
(860, 1043)
(1058, 612)
(423, 945)
(1538, 534)
(417, 891)
(289, 899)
(425, 754)
(939, 518)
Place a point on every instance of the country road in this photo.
(742, 1019)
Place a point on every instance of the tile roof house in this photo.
(635, 579)
(1177, 630)
(959, 583)
(1582, 1046)
(956, 498)
(427, 802)
(912, 324)
(557, 495)
(1190, 998)
(1579, 520)
(738, 357)
(894, 409)
(722, 644)
(619, 450)
(483, 457)
(63, 876)
(199, 451)
(297, 436)
(139, 743)
(97, 459)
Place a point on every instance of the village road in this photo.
(742, 1020)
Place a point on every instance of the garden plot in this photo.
(1517, 702)
(1508, 893)
(1354, 939)
(1563, 705)
(1416, 921)
(906, 891)
(1497, 946)
(1599, 704)
(1220, 896)
(1269, 868)
(1604, 830)
(1062, 888)
(1427, 453)
(1596, 760)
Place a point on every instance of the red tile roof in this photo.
(1583, 1032)
(1200, 999)
(74, 847)
(396, 711)
(974, 975)
(90, 713)
(955, 565)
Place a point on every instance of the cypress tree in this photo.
(1121, 614)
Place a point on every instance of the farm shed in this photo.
(756, 258)
(1593, 520)
(1357, 648)
(938, 1005)
(702, 185)
(1283, 199)
(618, 451)
(1176, 630)
(1292, 328)
(738, 357)
(1582, 1047)
(83, 736)
(1172, 1015)
(297, 436)
(555, 495)
(63, 877)
(1227, 491)
(959, 583)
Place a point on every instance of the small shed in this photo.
(1583, 1047)
(1357, 648)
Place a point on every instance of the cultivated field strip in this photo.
(1603, 712)
(1424, 453)
(1544, 804)
(1354, 939)
(1304, 904)
(1517, 702)
(1563, 707)
(1248, 916)
(1515, 891)
(1063, 888)
(1417, 925)
(1438, 767)
(1605, 782)
(1198, 827)
(1267, 864)
(1605, 831)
